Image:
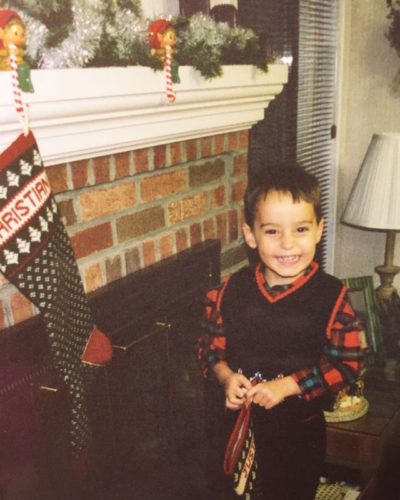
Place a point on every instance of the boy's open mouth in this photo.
(288, 259)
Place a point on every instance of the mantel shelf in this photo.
(83, 113)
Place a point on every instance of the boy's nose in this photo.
(287, 241)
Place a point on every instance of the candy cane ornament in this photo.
(171, 96)
(20, 107)
(162, 40)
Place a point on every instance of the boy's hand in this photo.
(271, 393)
(235, 385)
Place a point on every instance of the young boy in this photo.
(289, 321)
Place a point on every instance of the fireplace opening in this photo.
(154, 436)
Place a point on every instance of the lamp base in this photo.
(388, 302)
(386, 288)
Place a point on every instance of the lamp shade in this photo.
(374, 201)
(216, 3)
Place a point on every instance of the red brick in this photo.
(80, 173)
(21, 307)
(232, 141)
(206, 146)
(191, 150)
(222, 228)
(158, 186)
(186, 208)
(122, 163)
(92, 240)
(132, 260)
(57, 175)
(141, 160)
(241, 217)
(101, 169)
(160, 156)
(181, 240)
(205, 172)
(240, 164)
(218, 197)
(92, 277)
(113, 268)
(219, 144)
(243, 139)
(209, 229)
(99, 202)
(166, 246)
(238, 189)
(233, 226)
(195, 234)
(233, 256)
(175, 153)
(67, 211)
(149, 253)
(140, 223)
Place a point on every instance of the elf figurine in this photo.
(12, 46)
(162, 40)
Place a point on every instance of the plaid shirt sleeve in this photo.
(342, 359)
(211, 345)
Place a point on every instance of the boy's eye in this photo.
(302, 229)
(271, 231)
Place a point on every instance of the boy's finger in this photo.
(245, 382)
(250, 392)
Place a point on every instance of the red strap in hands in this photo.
(239, 433)
(237, 439)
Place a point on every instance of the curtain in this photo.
(316, 105)
(299, 123)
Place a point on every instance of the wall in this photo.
(167, 8)
(368, 104)
(129, 210)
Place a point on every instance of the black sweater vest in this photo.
(278, 337)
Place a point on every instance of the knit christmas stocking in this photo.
(37, 257)
(240, 455)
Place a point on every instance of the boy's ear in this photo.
(249, 236)
(320, 229)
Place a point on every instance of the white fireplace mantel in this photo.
(83, 113)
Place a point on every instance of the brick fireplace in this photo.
(138, 180)
(129, 210)
(150, 193)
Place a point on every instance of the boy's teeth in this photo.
(289, 258)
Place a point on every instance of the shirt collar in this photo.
(277, 292)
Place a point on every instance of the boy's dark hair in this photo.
(291, 179)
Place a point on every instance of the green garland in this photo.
(101, 33)
(208, 45)
(393, 33)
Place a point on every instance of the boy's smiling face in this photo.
(286, 234)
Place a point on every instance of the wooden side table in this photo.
(359, 445)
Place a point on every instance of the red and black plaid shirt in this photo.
(342, 347)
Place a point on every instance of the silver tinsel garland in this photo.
(104, 33)
(127, 31)
(79, 48)
(90, 22)
(206, 32)
(36, 34)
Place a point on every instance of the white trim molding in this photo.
(84, 113)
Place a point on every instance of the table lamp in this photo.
(374, 203)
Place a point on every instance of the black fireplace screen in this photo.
(148, 408)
